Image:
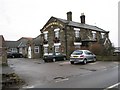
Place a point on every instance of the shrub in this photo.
(101, 50)
(97, 49)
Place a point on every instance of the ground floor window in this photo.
(85, 44)
(45, 50)
(36, 49)
(13, 50)
(77, 46)
(20, 50)
(57, 48)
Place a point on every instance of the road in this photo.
(99, 79)
(38, 74)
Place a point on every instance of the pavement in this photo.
(36, 71)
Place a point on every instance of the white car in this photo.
(83, 56)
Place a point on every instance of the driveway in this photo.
(35, 71)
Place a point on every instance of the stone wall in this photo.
(3, 53)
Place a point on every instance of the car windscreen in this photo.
(50, 54)
(57, 53)
(77, 52)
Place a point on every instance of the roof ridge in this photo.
(78, 24)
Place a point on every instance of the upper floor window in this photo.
(46, 35)
(56, 32)
(94, 34)
(102, 35)
(77, 32)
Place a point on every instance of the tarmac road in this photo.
(36, 73)
(104, 79)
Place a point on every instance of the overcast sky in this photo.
(25, 18)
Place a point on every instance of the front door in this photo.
(29, 52)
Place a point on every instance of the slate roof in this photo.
(37, 40)
(11, 44)
(23, 41)
(80, 25)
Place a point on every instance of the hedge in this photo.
(108, 58)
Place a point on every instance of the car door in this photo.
(58, 56)
(61, 57)
(88, 55)
(91, 56)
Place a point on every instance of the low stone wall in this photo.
(3, 56)
(0, 60)
(108, 58)
(11, 80)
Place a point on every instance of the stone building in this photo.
(65, 36)
(29, 47)
(24, 43)
(12, 46)
(19, 46)
(3, 55)
(37, 47)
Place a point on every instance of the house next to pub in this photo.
(29, 47)
(35, 48)
(65, 36)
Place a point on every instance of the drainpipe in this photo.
(66, 39)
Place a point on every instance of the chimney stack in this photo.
(69, 16)
(82, 17)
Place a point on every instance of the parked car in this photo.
(54, 57)
(83, 56)
(14, 55)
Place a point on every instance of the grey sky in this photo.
(25, 18)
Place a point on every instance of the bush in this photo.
(101, 50)
(97, 49)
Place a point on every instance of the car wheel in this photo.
(94, 59)
(54, 59)
(85, 61)
(64, 58)
(13, 56)
(72, 62)
(45, 61)
(21, 56)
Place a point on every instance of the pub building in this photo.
(65, 36)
